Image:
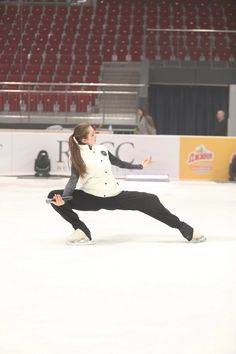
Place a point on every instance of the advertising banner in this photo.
(206, 158)
(5, 153)
(24, 146)
(164, 151)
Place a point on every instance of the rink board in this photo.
(185, 157)
(20, 148)
(206, 158)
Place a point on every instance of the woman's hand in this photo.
(146, 162)
(57, 200)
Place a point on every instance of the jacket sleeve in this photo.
(71, 184)
(122, 164)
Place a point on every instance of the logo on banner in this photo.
(200, 159)
(63, 161)
(121, 149)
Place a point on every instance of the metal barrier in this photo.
(104, 103)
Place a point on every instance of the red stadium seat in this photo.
(33, 69)
(121, 53)
(20, 57)
(207, 53)
(30, 78)
(136, 53)
(178, 22)
(48, 101)
(45, 78)
(94, 50)
(2, 77)
(82, 103)
(107, 53)
(37, 11)
(75, 11)
(231, 23)
(109, 41)
(151, 52)
(48, 69)
(14, 102)
(65, 59)
(61, 78)
(92, 78)
(136, 40)
(164, 39)
(165, 52)
(9, 50)
(152, 22)
(52, 49)
(194, 53)
(180, 53)
(66, 50)
(191, 22)
(122, 40)
(204, 22)
(95, 60)
(151, 39)
(75, 78)
(14, 77)
(62, 69)
(50, 59)
(17, 68)
(78, 69)
(80, 59)
(4, 67)
(96, 40)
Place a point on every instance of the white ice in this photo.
(140, 290)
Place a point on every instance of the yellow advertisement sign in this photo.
(206, 158)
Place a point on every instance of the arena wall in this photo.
(186, 157)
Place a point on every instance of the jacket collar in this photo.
(87, 147)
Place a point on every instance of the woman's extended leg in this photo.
(149, 204)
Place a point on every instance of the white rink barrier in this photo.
(18, 150)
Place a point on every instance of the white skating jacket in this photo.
(99, 179)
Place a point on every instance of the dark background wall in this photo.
(186, 110)
(183, 99)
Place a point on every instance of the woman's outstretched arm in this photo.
(123, 164)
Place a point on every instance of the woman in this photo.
(91, 164)
(145, 123)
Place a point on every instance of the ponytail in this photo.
(80, 132)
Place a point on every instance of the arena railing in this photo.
(104, 103)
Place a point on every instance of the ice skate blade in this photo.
(198, 240)
(80, 243)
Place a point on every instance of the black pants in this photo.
(145, 202)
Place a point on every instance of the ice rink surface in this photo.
(142, 289)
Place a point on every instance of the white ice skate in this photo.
(198, 237)
(78, 238)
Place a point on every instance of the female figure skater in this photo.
(91, 165)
